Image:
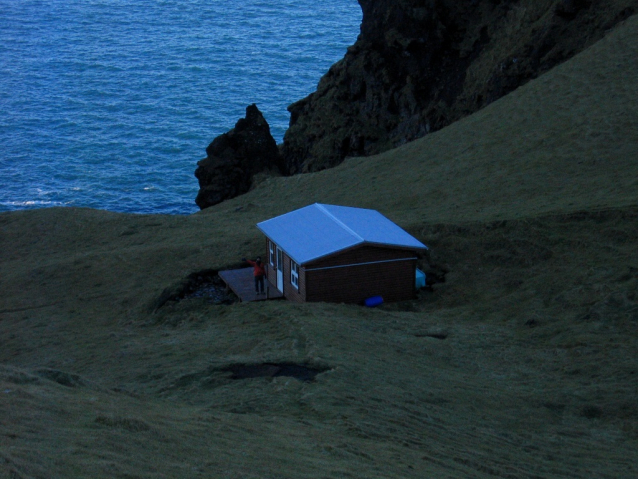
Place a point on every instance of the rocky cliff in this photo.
(233, 158)
(419, 65)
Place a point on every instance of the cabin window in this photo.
(272, 253)
(294, 274)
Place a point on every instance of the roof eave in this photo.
(365, 243)
(396, 246)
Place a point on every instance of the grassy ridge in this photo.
(521, 364)
(564, 142)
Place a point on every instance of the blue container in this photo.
(420, 279)
(373, 301)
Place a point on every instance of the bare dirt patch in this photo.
(205, 284)
(273, 370)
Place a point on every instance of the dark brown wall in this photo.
(394, 281)
(353, 284)
(290, 292)
(271, 274)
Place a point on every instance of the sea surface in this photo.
(109, 104)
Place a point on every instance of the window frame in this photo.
(272, 253)
(294, 274)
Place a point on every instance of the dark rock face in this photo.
(419, 65)
(234, 157)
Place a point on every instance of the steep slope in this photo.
(419, 66)
(521, 364)
(564, 142)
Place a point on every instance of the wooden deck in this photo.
(242, 283)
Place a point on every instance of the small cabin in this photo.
(339, 254)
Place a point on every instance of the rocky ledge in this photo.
(420, 65)
(234, 158)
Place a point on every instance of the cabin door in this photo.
(280, 270)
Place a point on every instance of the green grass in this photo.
(530, 206)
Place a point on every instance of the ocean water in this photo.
(109, 104)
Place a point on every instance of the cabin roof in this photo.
(320, 230)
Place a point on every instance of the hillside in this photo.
(520, 364)
(419, 66)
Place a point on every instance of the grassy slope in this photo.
(531, 206)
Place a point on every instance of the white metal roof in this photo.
(319, 230)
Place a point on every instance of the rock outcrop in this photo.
(234, 158)
(419, 65)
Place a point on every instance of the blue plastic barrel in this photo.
(373, 301)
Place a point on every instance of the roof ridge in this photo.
(338, 221)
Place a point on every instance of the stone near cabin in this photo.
(233, 158)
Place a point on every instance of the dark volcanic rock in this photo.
(419, 65)
(234, 157)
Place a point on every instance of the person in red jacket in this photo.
(258, 272)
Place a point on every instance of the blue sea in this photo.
(109, 104)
